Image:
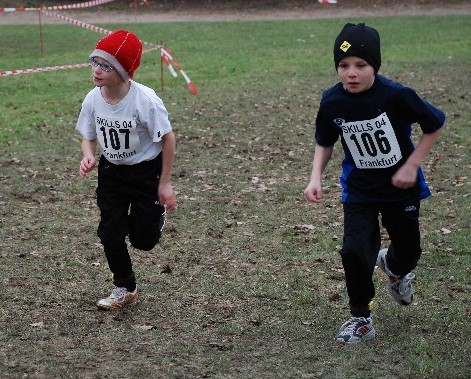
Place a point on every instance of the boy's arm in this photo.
(165, 192)
(406, 176)
(313, 191)
(88, 161)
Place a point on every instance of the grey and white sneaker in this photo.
(400, 287)
(120, 297)
(356, 329)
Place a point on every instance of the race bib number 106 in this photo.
(372, 143)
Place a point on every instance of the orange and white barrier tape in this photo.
(42, 69)
(172, 61)
(75, 22)
(167, 63)
(9, 10)
(328, 1)
(85, 4)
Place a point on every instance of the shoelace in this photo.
(118, 292)
(353, 325)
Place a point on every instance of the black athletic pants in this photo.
(362, 242)
(128, 202)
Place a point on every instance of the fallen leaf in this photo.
(305, 226)
(143, 327)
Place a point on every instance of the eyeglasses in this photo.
(104, 66)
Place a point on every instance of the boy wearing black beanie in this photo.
(381, 173)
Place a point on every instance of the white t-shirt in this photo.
(129, 132)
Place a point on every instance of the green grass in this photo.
(256, 285)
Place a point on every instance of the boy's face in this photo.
(356, 74)
(104, 74)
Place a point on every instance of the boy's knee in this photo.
(144, 244)
(147, 239)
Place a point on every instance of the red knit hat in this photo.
(122, 49)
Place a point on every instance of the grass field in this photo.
(247, 282)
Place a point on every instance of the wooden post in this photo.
(41, 41)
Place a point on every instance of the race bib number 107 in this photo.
(372, 143)
(118, 137)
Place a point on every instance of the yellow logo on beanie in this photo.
(345, 46)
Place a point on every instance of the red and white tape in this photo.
(85, 4)
(42, 69)
(75, 22)
(6, 10)
(169, 61)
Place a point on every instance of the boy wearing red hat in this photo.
(381, 174)
(131, 125)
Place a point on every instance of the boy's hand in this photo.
(167, 197)
(405, 177)
(314, 192)
(86, 165)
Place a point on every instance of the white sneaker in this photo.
(400, 287)
(119, 298)
(356, 329)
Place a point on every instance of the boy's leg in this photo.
(402, 224)
(146, 222)
(361, 243)
(360, 246)
(113, 227)
(147, 216)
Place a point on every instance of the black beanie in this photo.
(360, 41)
